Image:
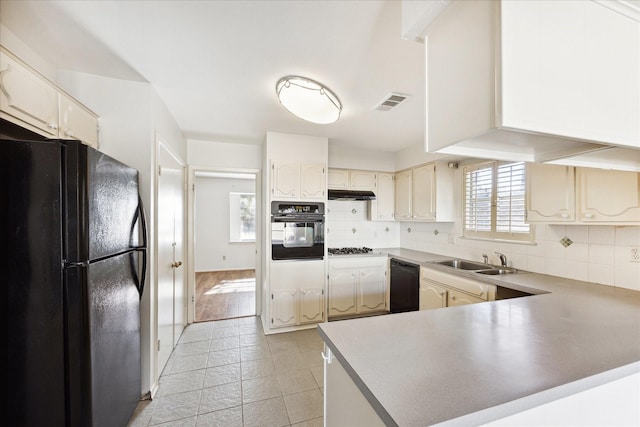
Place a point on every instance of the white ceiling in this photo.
(216, 63)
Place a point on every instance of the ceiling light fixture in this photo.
(308, 99)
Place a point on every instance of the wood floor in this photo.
(225, 294)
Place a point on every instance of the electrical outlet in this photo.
(224, 257)
(635, 255)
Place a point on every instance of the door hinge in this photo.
(193, 298)
(158, 345)
(159, 170)
(272, 298)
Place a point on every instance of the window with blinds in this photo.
(494, 201)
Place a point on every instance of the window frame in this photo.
(235, 220)
(493, 233)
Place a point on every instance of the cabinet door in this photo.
(342, 291)
(283, 308)
(313, 182)
(311, 305)
(432, 295)
(608, 196)
(571, 68)
(77, 123)
(550, 193)
(363, 180)
(27, 98)
(338, 179)
(460, 298)
(372, 289)
(423, 201)
(381, 209)
(403, 195)
(285, 179)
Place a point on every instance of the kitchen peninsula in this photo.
(475, 364)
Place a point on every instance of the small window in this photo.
(242, 217)
(494, 202)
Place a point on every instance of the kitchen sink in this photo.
(498, 271)
(464, 265)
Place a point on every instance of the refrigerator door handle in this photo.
(141, 248)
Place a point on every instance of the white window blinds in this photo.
(494, 201)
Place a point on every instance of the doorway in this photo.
(225, 294)
(224, 245)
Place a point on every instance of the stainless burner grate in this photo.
(349, 251)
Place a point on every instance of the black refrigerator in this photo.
(74, 229)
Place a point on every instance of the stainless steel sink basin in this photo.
(464, 265)
(498, 271)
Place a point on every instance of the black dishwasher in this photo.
(404, 287)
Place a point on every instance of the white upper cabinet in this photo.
(550, 193)
(33, 102)
(346, 179)
(295, 180)
(27, 98)
(533, 80)
(76, 122)
(571, 68)
(313, 181)
(608, 196)
(362, 180)
(403, 195)
(423, 200)
(382, 208)
(563, 194)
(425, 193)
(338, 179)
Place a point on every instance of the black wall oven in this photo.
(297, 231)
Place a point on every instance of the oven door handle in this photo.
(277, 218)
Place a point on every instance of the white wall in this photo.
(212, 226)
(355, 158)
(223, 155)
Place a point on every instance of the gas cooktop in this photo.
(349, 251)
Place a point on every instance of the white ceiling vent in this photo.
(390, 101)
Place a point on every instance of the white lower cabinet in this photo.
(358, 286)
(432, 295)
(344, 402)
(297, 293)
(439, 289)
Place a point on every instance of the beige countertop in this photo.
(477, 363)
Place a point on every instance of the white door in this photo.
(171, 292)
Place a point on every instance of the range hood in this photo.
(349, 195)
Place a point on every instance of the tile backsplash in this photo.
(596, 253)
(347, 225)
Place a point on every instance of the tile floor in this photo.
(228, 373)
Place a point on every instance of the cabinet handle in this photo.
(588, 215)
(68, 133)
(52, 126)
(564, 215)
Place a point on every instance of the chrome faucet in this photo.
(503, 259)
(486, 258)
